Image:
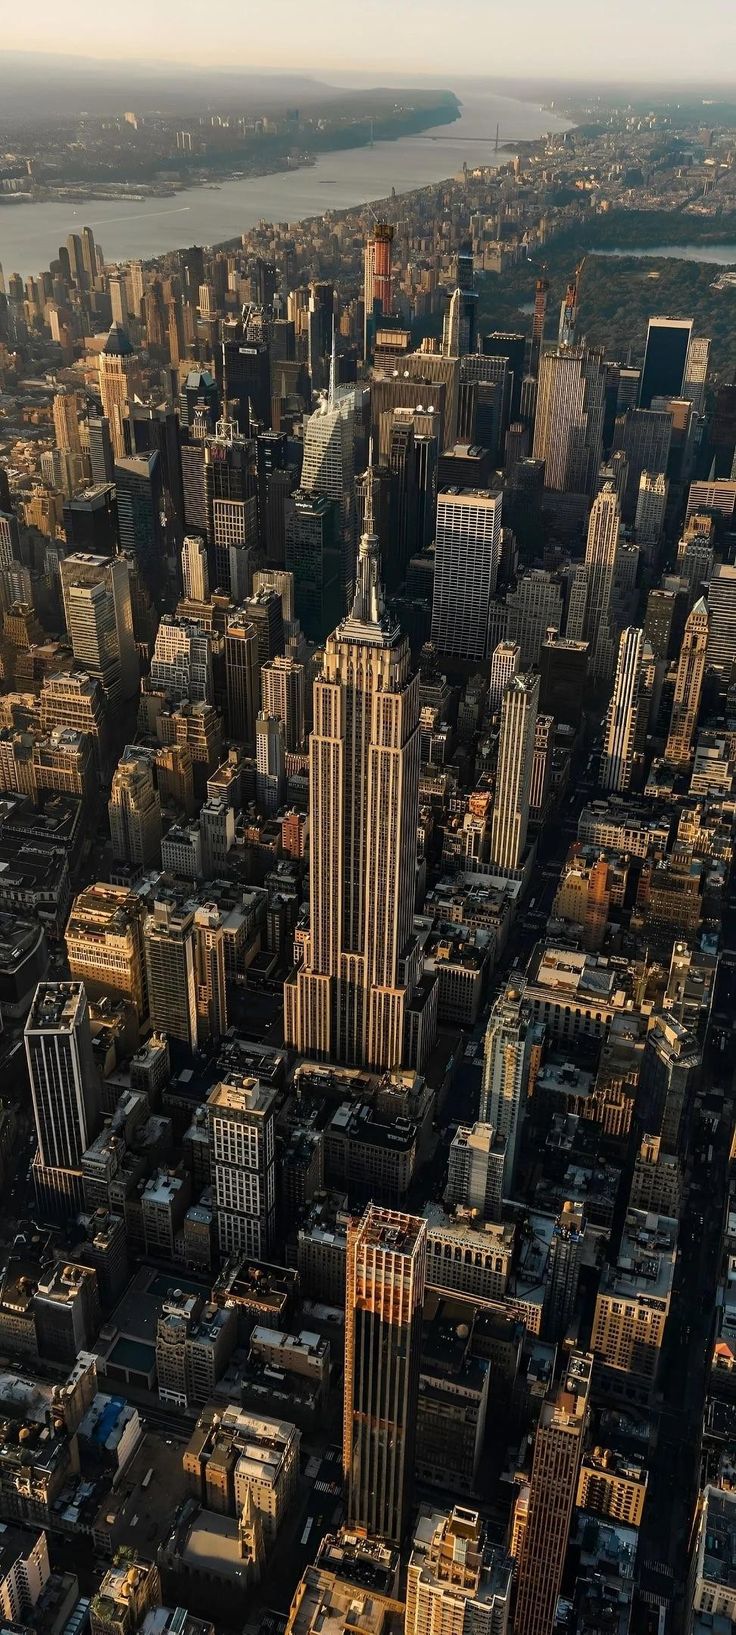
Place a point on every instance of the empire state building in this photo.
(357, 996)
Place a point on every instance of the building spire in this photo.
(368, 598)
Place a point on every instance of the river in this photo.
(30, 234)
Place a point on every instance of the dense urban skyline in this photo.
(367, 897)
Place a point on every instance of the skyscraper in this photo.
(64, 1082)
(384, 1294)
(533, 608)
(628, 710)
(505, 664)
(135, 811)
(651, 505)
(314, 555)
(348, 1000)
(558, 1448)
(507, 1055)
(568, 427)
(117, 384)
(241, 1120)
(241, 678)
(99, 619)
(283, 692)
(468, 543)
(270, 762)
(665, 357)
(604, 527)
(168, 937)
(194, 569)
(722, 619)
(209, 970)
(688, 685)
(377, 297)
(328, 466)
(695, 378)
(514, 777)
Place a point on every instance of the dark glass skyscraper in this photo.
(668, 340)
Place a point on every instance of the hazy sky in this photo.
(639, 40)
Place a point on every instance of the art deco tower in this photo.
(688, 686)
(347, 1001)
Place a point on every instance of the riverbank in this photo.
(337, 181)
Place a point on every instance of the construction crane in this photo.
(569, 307)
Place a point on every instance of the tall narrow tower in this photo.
(386, 1265)
(347, 1001)
(558, 1447)
(689, 685)
(515, 765)
(628, 711)
(541, 292)
(377, 280)
(507, 1054)
(604, 528)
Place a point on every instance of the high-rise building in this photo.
(688, 685)
(67, 409)
(628, 710)
(135, 811)
(140, 501)
(563, 1273)
(209, 969)
(314, 555)
(195, 576)
(695, 378)
(284, 695)
(384, 1295)
(468, 544)
(377, 295)
(328, 465)
(456, 1584)
(514, 778)
(241, 678)
(241, 1122)
(117, 371)
(63, 1078)
(558, 1450)
(181, 665)
(651, 505)
(568, 427)
(645, 437)
(102, 458)
(533, 607)
(604, 528)
(505, 664)
(721, 653)
(104, 944)
(475, 1170)
(507, 1059)
(91, 518)
(246, 382)
(270, 762)
(563, 665)
(168, 937)
(99, 619)
(665, 357)
(348, 1000)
